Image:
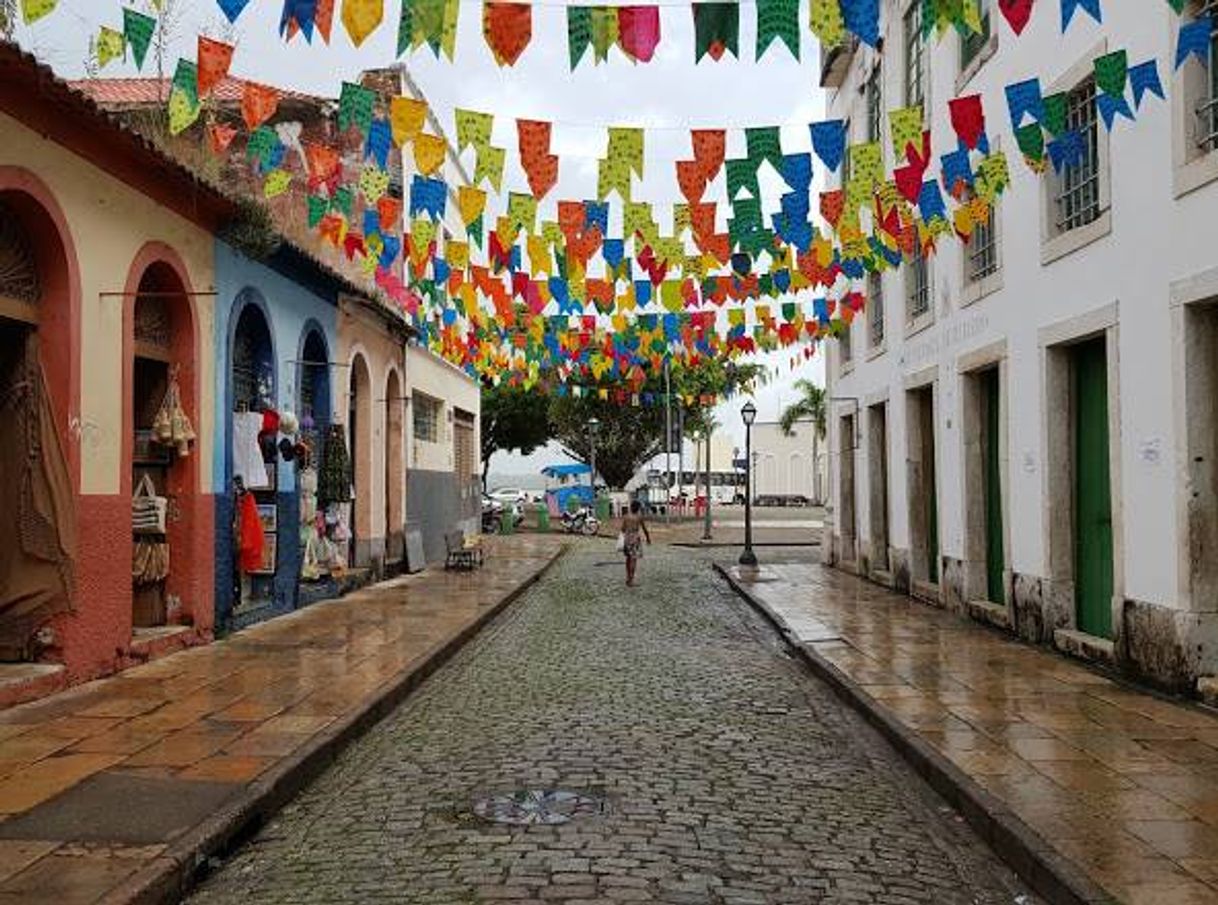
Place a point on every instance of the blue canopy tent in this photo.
(564, 484)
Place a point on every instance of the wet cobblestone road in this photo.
(728, 773)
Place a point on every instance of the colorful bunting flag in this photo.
(716, 30)
(639, 31)
(214, 59)
(1194, 40)
(429, 152)
(233, 8)
(361, 18)
(507, 28)
(778, 19)
(1017, 13)
(111, 45)
(258, 104)
(33, 10)
(406, 118)
(826, 22)
(1144, 78)
(1092, 7)
(829, 142)
(138, 29)
(355, 105)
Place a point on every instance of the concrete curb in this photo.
(1052, 876)
(168, 878)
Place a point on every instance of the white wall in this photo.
(1156, 239)
(429, 374)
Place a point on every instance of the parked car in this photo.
(512, 495)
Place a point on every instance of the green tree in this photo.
(631, 435)
(812, 405)
(512, 419)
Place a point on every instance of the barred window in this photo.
(426, 418)
(915, 59)
(973, 42)
(982, 250)
(1207, 101)
(1078, 188)
(846, 157)
(875, 103)
(917, 287)
(875, 309)
(844, 343)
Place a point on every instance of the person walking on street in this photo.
(634, 529)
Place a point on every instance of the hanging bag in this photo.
(147, 509)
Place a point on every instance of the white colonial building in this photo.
(1023, 429)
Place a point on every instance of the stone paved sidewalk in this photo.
(106, 789)
(1122, 783)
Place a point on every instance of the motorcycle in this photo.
(582, 521)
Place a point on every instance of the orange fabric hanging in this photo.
(252, 539)
(213, 61)
(508, 29)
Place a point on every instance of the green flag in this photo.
(778, 19)
(716, 29)
(138, 29)
(579, 32)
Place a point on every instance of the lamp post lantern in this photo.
(748, 414)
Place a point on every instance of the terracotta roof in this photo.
(139, 91)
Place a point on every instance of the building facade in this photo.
(1022, 427)
(788, 465)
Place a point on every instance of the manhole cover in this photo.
(536, 806)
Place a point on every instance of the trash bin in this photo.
(543, 518)
(602, 509)
(506, 521)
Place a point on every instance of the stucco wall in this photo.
(291, 310)
(1123, 282)
(114, 232)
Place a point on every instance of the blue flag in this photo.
(829, 142)
(1145, 77)
(1194, 40)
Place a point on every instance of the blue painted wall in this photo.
(294, 298)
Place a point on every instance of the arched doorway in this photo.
(38, 453)
(160, 410)
(395, 470)
(359, 428)
(313, 408)
(252, 460)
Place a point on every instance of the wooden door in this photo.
(1093, 569)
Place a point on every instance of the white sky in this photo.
(669, 96)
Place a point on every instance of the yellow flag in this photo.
(428, 153)
(471, 202)
(540, 258)
(406, 116)
(182, 112)
(362, 17)
(111, 45)
(826, 22)
(277, 182)
(457, 254)
(33, 10)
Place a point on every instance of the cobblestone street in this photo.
(727, 773)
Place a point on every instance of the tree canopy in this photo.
(811, 406)
(513, 420)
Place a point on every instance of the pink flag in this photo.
(639, 31)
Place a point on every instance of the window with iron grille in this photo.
(426, 418)
(875, 309)
(1207, 101)
(875, 102)
(915, 59)
(844, 344)
(1077, 198)
(982, 250)
(973, 42)
(846, 157)
(917, 287)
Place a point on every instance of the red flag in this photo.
(638, 31)
(968, 119)
(220, 137)
(214, 59)
(692, 180)
(1017, 13)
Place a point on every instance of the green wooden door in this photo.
(994, 553)
(1092, 491)
(932, 491)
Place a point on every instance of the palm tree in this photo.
(812, 405)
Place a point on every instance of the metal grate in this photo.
(1078, 198)
(915, 59)
(426, 418)
(1207, 105)
(972, 43)
(983, 249)
(875, 102)
(917, 286)
(845, 344)
(18, 265)
(875, 309)
(534, 807)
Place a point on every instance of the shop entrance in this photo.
(37, 509)
(395, 468)
(359, 420)
(163, 477)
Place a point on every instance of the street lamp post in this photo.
(706, 527)
(594, 426)
(749, 415)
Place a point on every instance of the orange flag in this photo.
(508, 29)
(542, 173)
(258, 104)
(710, 145)
(220, 136)
(323, 18)
(214, 59)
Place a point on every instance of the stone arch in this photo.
(395, 466)
(314, 384)
(160, 341)
(359, 438)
